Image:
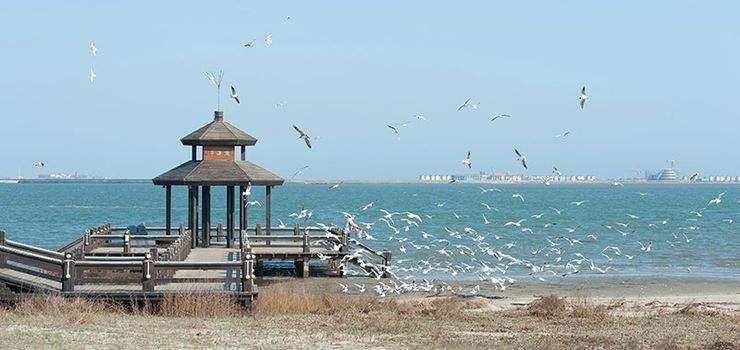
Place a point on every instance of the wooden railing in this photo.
(64, 268)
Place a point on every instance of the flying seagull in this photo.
(268, 40)
(93, 49)
(249, 44)
(395, 130)
(556, 171)
(583, 97)
(234, 95)
(92, 75)
(500, 116)
(39, 164)
(211, 78)
(467, 161)
(521, 158)
(464, 105)
(303, 136)
(694, 177)
(563, 135)
(300, 171)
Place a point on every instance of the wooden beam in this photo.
(229, 216)
(242, 202)
(168, 209)
(194, 152)
(268, 210)
(244, 152)
(206, 220)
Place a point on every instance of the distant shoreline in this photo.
(392, 182)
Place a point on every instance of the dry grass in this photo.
(199, 305)
(553, 306)
(75, 311)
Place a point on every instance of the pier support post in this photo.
(126, 243)
(305, 264)
(68, 273)
(247, 270)
(268, 211)
(242, 209)
(229, 216)
(193, 215)
(386, 263)
(206, 221)
(168, 210)
(219, 233)
(148, 273)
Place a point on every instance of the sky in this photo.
(662, 77)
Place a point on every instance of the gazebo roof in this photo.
(218, 133)
(218, 172)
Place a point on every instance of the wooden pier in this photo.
(111, 263)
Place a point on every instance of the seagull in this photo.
(577, 203)
(300, 170)
(39, 164)
(335, 186)
(234, 95)
(515, 223)
(92, 75)
(521, 158)
(555, 210)
(563, 135)
(485, 220)
(211, 78)
(582, 99)
(500, 116)
(556, 171)
(694, 177)
(249, 44)
(395, 130)
(645, 248)
(488, 206)
(303, 136)
(247, 191)
(717, 200)
(517, 195)
(467, 161)
(344, 288)
(617, 183)
(93, 49)
(367, 206)
(420, 117)
(464, 105)
(257, 203)
(268, 40)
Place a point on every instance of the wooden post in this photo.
(168, 209)
(181, 231)
(219, 233)
(193, 213)
(305, 267)
(306, 243)
(247, 270)
(268, 211)
(386, 263)
(194, 153)
(229, 216)
(344, 241)
(296, 230)
(68, 273)
(147, 273)
(126, 243)
(242, 212)
(3, 259)
(244, 152)
(206, 234)
(258, 230)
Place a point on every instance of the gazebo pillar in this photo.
(194, 153)
(229, 216)
(168, 209)
(268, 209)
(242, 209)
(193, 214)
(206, 221)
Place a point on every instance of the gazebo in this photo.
(217, 167)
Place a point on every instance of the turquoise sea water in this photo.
(49, 215)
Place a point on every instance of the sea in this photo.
(446, 235)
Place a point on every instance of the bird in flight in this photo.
(93, 49)
(556, 171)
(234, 94)
(92, 75)
(467, 161)
(521, 158)
(299, 171)
(39, 164)
(716, 200)
(395, 130)
(268, 40)
(468, 104)
(500, 116)
(694, 177)
(303, 136)
(563, 135)
(211, 78)
(249, 44)
(517, 195)
(582, 99)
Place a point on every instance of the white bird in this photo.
(515, 223)
(556, 171)
(367, 206)
(556, 210)
(39, 164)
(212, 79)
(500, 116)
(303, 136)
(521, 158)
(645, 248)
(485, 220)
(517, 195)
(93, 49)
(488, 207)
(335, 186)
(616, 183)
(249, 44)
(344, 288)
(234, 94)
(268, 40)
(92, 75)
(563, 135)
(577, 203)
(538, 216)
(395, 130)
(582, 99)
(716, 200)
(420, 117)
(467, 104)
(257, 203)
(467, 161)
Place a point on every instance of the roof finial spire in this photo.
(218, 115)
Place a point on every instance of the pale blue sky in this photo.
(662, 76)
